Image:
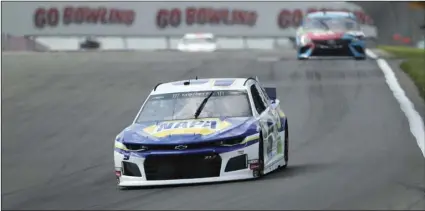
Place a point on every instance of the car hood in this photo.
(328, 35)
(187, 131)
(325, 35)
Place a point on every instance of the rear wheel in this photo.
(286, 156)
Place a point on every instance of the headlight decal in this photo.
(136, 147)
(243, 141)
(119, 145)
(252, 137)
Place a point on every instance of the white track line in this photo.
(416, 123)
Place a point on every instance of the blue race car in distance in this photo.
(330, 34)
(203, 130)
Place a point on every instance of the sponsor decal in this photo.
(287, 18)
(54, 16)
(210, 157)
(279, 123)
(253, 161)
(281, 114)
(126, 156)
(280, 146)
(272, 166)
(180, 147)
(189, 16)
(187, 127)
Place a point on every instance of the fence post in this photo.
(245, 41)
(125, 44)
(168, 41)
(28, 45)
(275, 43)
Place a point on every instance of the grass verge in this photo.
(413, 64)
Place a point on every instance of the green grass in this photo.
(413, 64)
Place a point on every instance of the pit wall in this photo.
(23, 19)
(20, 43)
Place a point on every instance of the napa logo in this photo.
(187, 127)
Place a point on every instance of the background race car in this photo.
(330, 34)
(200, 42)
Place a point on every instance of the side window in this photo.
(263, 95)
(258, 102)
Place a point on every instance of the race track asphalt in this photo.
(350, 144)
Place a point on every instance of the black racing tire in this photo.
(360, 58)
(260, 156)
(286, 156)
(298, 53)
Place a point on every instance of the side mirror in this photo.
(274, 103)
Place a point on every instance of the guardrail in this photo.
(43, 43)
(16, 43)
(143, 42)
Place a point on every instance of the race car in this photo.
(200, 42)
(201, 131)
(330, 34)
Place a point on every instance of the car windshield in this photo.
(198, 41)
(176, 106)
(344, 24)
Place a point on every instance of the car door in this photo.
(274, 107)
(273, 120)
(266, 122)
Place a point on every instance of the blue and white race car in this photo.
(203, 130)
(330, 34)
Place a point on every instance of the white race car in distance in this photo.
(203, 130)
(202, 42)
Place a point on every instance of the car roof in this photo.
(205, 84)
(331, 14)
(198, 35)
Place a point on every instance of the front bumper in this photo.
(184, 166)
(340, 47)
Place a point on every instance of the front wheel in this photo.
(260, 170)
(302, 58)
